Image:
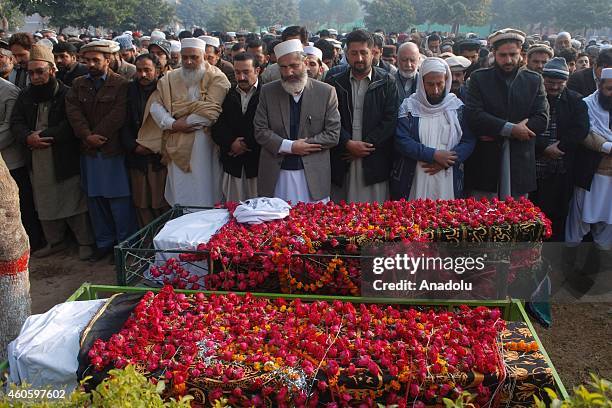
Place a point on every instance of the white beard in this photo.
(193, 77)
(294, 88)
(407, 75)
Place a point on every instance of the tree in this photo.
(313, 13)
(584, 14)
(195, 12)
(342, 11)
(389, 15)
(228, 17)
(10, 15)
(149, 15)
(270, 12)
(105, 13)
(456, 12)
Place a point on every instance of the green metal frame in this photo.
(140, 246)
(513, 309)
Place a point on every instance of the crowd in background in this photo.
(102, 135)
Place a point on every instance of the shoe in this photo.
(50, 250)
(85, 252)
(100, 253)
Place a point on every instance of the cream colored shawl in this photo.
(173, 94)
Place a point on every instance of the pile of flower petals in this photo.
(303, 350)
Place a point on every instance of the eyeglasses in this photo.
(39, 71)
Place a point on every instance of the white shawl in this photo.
(418, 105)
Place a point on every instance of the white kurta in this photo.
(434, 131)
(201, 186)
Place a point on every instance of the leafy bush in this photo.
(123, 388)
(596, 393)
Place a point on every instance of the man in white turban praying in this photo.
(177, 123)
(432, 138)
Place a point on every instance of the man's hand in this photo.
(358, 149)
(445, 158)
(302, 148)
(238, 147)
(553, 152)
(95, 141)
(34, 141)
(520, 131)
(142, 151)
(181, 125)
(432, 168)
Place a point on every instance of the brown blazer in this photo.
(319, 123)
(102, 113)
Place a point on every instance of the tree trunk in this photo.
(14, 257)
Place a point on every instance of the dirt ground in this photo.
(579, 342)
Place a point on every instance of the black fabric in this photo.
(66, 154)
(379, 122)
(21, 77)
(67, 76)
(582, 82)
(490, 103)
(293, 161)
(572, 128)
(116, 312)
(137, 97)
(553, 196)
(233, 124)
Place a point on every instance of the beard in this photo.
(507, 69)
(44, 92)
(5, 69)
(434, 100)
(407, 75)
(605, 101)
(192, 77)
(362, 67)
(294, 84)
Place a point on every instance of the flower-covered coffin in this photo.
(260, 352)
(317, 248)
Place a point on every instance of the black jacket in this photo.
(66, 154)
(379, 121)
(582, 82)
(68, 76)
(490, 103)
(572, 125)
(231, 125)
(136, 102)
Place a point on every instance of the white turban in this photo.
(314, 51)
(287, 47)
(212, 41)
(175, 46)
(193, 43)
(158, 35)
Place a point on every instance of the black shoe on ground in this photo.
(100, 253)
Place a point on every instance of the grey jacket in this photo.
(13, 153)
(319, 123)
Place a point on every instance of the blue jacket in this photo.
(409, 150)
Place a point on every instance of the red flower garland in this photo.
(307, 352)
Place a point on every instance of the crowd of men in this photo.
(103, 135)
